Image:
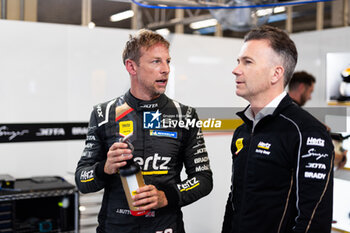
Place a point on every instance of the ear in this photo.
(131, 66)
(278, 75)
(301, 87)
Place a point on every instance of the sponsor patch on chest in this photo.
(263, 148)
(162, 133)
(264, 145)
(315, 142)
(126, 128)
(315, 175)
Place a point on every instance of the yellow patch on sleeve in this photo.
(239, 145)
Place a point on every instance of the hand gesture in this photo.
(149, 197)
(116, 157)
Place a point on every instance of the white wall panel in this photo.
(203, 70)
(33, 64)
(96, 72)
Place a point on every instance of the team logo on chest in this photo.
(151, 120)
(126, 128)
(263, 148)
(264, 145)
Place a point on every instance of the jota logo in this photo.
(151, 120)
(149, 105)
(51, 132)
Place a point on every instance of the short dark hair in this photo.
(301, 77)
(143, 39)
(280, 43)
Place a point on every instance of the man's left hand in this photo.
(149, 197)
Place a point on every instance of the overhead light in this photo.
(121, 16)
(279, 9)
(203, 23)
(163, 31)
(263, 12)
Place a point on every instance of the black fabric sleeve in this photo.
(199, 182)
(89, 174)
(227, 224)
(314, 186)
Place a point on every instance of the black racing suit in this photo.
(163, 144)
(282, 179)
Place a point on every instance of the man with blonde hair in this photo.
(161, 152)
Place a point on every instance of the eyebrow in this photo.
(161, 58)
(245, 58)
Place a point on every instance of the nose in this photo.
(165, 69)
(237, 71)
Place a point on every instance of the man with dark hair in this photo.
(301, 87)
(161, 152)
(282, 171)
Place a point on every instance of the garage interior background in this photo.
(53, 73)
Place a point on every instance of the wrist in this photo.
(100, 170)
(171, 196)
(164, 199)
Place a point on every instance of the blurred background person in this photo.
(301, 87)
(339, 151)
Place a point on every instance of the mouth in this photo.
(162, 81)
